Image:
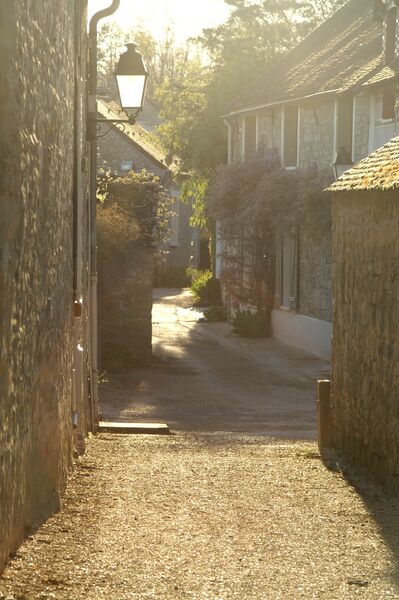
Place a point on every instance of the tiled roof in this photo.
(384, 75)
(135, 133)
(342, 52)
(378, 171)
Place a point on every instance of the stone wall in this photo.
(361, 127)
(314, 280)
(126, 270)
(316, 134)
(365, 371)
(115, 148)
(38, 46)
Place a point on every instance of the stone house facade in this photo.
(135, 147)
(365, 349)
(44, 356)
(336, 90)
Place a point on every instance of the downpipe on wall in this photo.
(92, 135)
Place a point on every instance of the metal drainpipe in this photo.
(92, 134)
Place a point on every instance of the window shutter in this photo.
(278, 283)
(294, 273)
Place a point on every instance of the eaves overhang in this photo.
(282, 102)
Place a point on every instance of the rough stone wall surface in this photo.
(115, 148)
(314, 279)
(126, 271)
(37, 92)
(365, 368)
(361, 127)
(316, 134)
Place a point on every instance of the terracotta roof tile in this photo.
(378, 171)
(341, 53)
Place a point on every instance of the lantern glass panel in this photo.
(131, 90)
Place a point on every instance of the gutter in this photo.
(282, 103)
(92, 134)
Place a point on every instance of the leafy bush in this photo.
(204, 286)
(198, 279)
(215, 314)
(250, 324)
(172, 277)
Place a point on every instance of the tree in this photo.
(255, 34)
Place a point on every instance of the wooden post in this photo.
(324, 424)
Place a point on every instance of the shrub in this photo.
(215, 314)
(172, 277)
(205, 287)
(250, 324)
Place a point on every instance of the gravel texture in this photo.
(210, 516)
(216, 511)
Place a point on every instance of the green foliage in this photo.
(205, 287)
(216, 314)
(253, 202)
(262, 198)
(194, 190)
(250, 324)
(141, 199)
(199, 280)
(172, 277)
(255, 34)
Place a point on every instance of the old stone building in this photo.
(335, 91)
(134, 148)
(365, 349)
(44, 407)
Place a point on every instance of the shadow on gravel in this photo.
(202, 378)
(382, 507)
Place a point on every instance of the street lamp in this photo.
(343, 162)
(131, 78)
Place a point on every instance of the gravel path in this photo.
(210, 516)
(216, 511)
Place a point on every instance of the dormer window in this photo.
(390, 36)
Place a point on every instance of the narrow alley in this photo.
(236, 503)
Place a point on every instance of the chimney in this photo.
(390, 33)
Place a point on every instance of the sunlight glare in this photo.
(187, 18)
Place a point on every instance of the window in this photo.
(250, 137)
(344, 118)
(290, 142)
(385, 107)
(126, 165)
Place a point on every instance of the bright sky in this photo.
(186, 17)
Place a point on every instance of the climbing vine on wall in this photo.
(252, 202)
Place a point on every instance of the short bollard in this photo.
(324, 424)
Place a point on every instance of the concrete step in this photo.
(134, 428)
